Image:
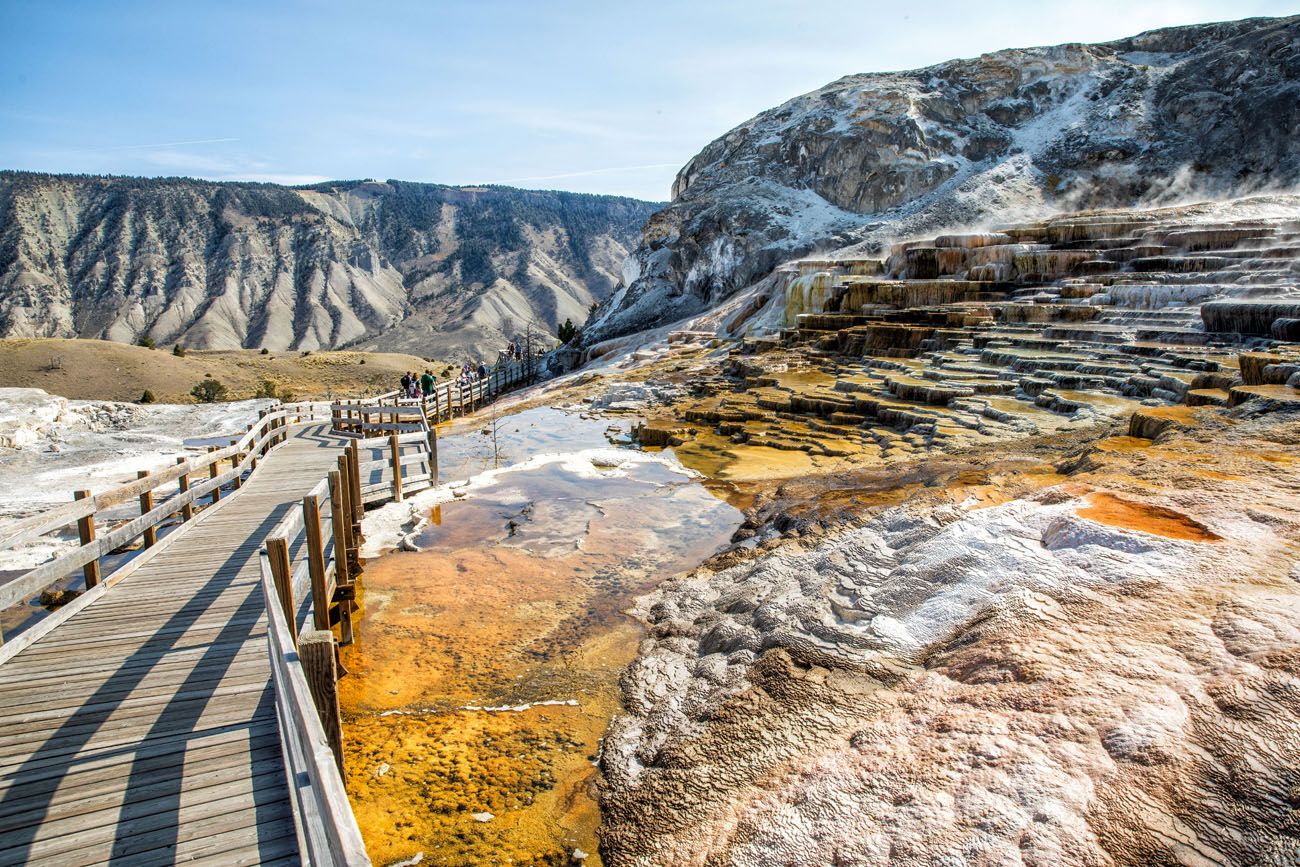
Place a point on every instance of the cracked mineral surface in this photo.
(1018, 579)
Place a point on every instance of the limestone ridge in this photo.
(389, 265)
(1205, 110)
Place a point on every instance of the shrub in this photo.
(267, 388)
(209, 391)
(146, 342)
(567, 331)
(362, 361)
(178, 350)
(147, 397)
(265, 351)
(287, 396)
(306, 352)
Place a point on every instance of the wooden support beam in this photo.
(277, 553)
(433, 455)
(234, 465)
(183, 483)
(396, 458)
(320, 600)
(341, 523)
(316, 651)
(146, 506)
(213, 472)
(354, 479)
(86, 530)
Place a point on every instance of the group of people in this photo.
(422, 385)
(469, 374)
(417, 385)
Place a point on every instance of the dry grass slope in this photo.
(104, 370)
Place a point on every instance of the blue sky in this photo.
(604, 97)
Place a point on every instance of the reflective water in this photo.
(486, 666)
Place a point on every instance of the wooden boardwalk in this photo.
(143, 729)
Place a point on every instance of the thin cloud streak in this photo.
(142, 147)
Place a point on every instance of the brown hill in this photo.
(105, 370)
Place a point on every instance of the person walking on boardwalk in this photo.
(406, 385)
(426, 382)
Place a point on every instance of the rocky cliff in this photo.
(1199, 110)
(390, 265)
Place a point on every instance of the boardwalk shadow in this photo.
(149, 816)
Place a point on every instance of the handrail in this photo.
(327, 829)
(243, 453)
(352, 417)
(316, 547)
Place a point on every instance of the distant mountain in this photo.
(422, 268)
(1208, 110)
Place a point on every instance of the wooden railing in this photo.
(394, 412)
(310, 563)
(313, 555)
(107, 539)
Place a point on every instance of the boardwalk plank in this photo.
(140, 729)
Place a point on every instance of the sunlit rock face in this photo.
(1135, 314)
(383, 265)
(1101, 673)
(1209, 109)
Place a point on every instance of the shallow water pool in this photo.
(486, 664)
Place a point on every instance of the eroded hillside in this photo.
(390, 266)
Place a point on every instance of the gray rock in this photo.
(868, 159)
(376, 265)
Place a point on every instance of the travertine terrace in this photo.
(1029, 592)
(1024, 329)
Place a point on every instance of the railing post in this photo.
(354, 479)
(343, 546)
(146, 506)
(277, 553)
(86, 530)
(234, 465)
(187, 510)
(341, 522)
(213, 472)
(316, 652)
(396, 448)
(320, 600)
(433, 455)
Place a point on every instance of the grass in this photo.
(104, 370)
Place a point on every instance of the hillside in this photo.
(423, 268)
(105, 370)
(1205, 111)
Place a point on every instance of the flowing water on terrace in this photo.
(486, 665)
